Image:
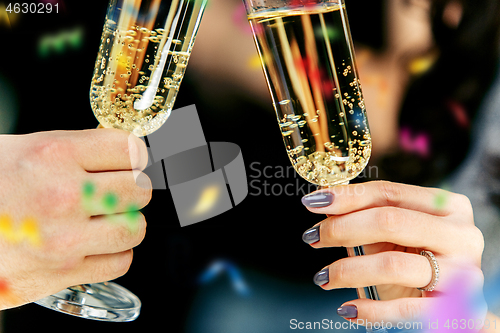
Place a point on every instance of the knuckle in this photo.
(118, 265)
(393, 264)
(61, 248)
(56, 200)
(410, 311)
(390, 220)
(336, 230)
(51, 149)
(390, 193)
(121, 237)
(339, 272)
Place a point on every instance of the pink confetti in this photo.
(419, 144)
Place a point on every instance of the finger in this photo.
(349, 198)
(368, 312)
(113, 233)
(108, 150)
(101, 268)
(394, 225)
(391, 267)
(115, 192)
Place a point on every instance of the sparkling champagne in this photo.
(310, 68)
(142, 58)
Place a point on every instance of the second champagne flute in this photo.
(308, 59)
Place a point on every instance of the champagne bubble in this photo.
(301, 160)
(329, 145)
(365, 142)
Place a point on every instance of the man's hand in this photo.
(69, 206)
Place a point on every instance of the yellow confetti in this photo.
(6, 228)
(28, 231)
(421, 65)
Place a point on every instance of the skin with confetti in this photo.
(69, 210)
(109, 203)
(27, 231)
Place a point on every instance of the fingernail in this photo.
(318, 200)
(143, 181)
(321, 277)
(311, 235)
(138, 152)
(348, 311)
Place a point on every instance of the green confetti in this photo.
(132, 216)
(331, 32)
(110, 201)
(440, 200)
(88, 190)
(132, 213)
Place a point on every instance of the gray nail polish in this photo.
(348, 311)
(321, 277)
(318, 200)
(311, 235)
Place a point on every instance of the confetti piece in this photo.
(419, 143)
(60, 42)
(88, 189)
(28, 231)
(421, 65)
(440, 200)
(4, 286)
(110, 201)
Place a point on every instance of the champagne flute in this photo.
(308, 60)
(145, 47)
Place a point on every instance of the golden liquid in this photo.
(142, 59)
(309, 64)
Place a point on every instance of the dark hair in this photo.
(441, 103)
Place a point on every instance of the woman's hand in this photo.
(395, 222)
(68, 210)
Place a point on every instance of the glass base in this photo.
(105, 301)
